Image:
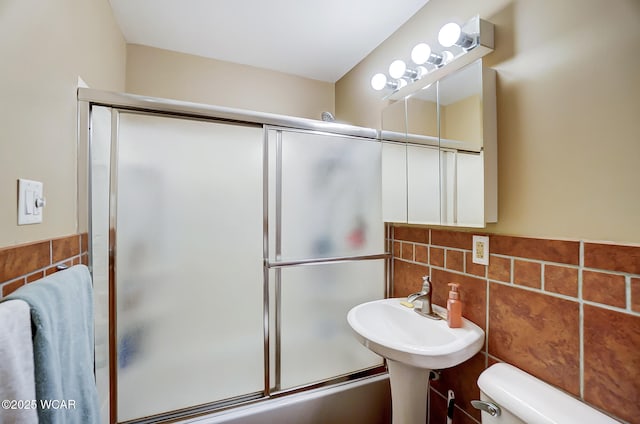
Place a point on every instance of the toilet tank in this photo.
(522, 398)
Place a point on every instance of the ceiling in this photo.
(321, 40)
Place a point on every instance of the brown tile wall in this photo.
(23, 264)
(567, 312)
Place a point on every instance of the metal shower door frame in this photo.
(117, 102)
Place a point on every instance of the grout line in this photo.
(607, 271)
(445, 257)
(457, 249)
(495, 358)
(628, 292)
(536, 290)
(581, 319)
(581, 329)
(486, 326)
(464, 261)
(513, 270)
(408, 261)
(610, 308)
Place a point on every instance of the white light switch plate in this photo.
(30, 202)
(480, 252)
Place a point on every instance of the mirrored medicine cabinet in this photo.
(439, 154)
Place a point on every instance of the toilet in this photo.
(511, 396)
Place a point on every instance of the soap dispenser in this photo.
(454, 307)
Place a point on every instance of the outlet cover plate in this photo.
(28, 193)
(480, 252)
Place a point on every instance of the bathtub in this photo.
(363, 401)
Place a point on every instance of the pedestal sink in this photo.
(413, 346)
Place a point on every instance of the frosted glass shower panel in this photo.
(331, 196)
(317, 343)
(189, 245)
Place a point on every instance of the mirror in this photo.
(450, 148)
(460, 107)
(394, 162)
(460, 102)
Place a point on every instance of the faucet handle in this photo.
(426, 284)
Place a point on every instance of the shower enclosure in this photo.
(226, 248)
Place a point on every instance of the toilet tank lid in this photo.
(533, 400)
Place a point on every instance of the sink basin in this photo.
(413, 345)
(398, 333)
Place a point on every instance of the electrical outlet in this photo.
(480, 252)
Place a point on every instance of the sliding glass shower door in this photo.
(326, 252)
(188, 263)
(225, 258)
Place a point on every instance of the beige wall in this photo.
(44, 47)
(162, 73)
(568, 92)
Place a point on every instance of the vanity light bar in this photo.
(473, 40)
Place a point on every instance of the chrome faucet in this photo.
(425, 296)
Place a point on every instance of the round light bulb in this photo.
(397, 69)
(449, 34)
(447, 57)
(378, 81)
(420, 53)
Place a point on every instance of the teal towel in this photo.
(62, 326)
